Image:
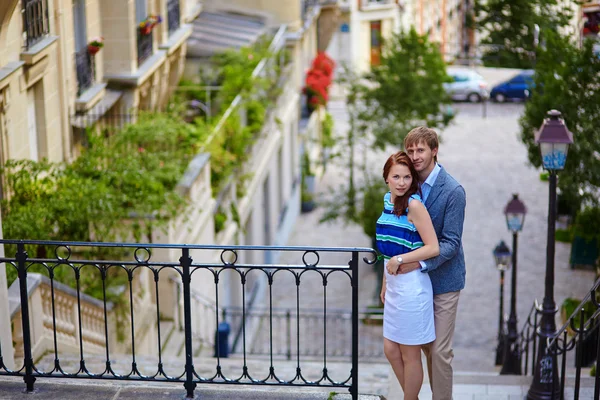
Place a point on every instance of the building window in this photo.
(32, 123)
(35, 21)
(375, 42)
(144, 40)
(83, 60)
(173, 15)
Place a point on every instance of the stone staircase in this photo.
(375, 377)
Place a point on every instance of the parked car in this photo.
(518, 87)
(466, 85)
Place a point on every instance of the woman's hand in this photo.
(392, 266)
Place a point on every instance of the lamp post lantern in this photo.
(502, 260)
(554, 139)
(515, 212)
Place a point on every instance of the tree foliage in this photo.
(405, 90)
(567, 79)
(507, 28)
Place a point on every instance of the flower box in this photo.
(95, 45)
(147, 25)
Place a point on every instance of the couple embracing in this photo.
(419, 234)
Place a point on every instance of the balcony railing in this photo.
(35, 21)
(173, 15)
(84, 64)
(137, 272)
(370, 3)
(144, 46)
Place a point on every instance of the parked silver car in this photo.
(467, 85)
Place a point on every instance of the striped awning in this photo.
(216, 31)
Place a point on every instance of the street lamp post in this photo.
(502, 261)
(515, 212)
(554, 139)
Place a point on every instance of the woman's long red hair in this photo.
(401, 202)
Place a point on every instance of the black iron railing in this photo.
(84, 64)
(144, 46)
(527, 342)
(280, 331)
(108, 121)
(86, 265)
(35, 20)
(173, 15)
(577, 340)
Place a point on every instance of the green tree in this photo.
(567, 79)
(508, 26)
(405, 90)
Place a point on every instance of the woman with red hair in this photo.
(405, 232)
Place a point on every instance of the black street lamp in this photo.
(515, 212)
(554, 139)
(502, 261)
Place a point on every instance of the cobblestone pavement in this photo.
(487, 157)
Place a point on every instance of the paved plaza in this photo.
(488, 158)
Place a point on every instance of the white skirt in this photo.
(408, 309)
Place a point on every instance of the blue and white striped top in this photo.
(396, 235)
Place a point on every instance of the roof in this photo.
(216, 31)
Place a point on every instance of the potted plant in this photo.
(149, 23)
(95, 45)
(586, 238)
(318, 80)
(307, 185)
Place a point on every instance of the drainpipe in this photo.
(63, 79)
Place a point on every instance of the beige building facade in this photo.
(357, 42)
(444, 22)
(53, 86)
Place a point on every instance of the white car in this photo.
(467, 85)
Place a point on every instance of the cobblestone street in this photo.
(488, 158)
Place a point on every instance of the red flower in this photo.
(318, 80)
(323, 63)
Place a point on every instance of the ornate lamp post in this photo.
(554, 139)
(502, 260)
(515, 212)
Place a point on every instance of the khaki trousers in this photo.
(440, 353)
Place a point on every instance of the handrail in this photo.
(569, 336)
(570, 321)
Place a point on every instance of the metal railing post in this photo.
(288, 323)
(355, 280)
(185, 262)
(22, 271)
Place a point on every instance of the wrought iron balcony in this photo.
(35, 20)
(144, 46)
(173, 15)
(84, 63)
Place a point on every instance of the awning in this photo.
(216, 31)
(92, 116)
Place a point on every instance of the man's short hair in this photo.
(422, 134)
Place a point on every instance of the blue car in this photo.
(518, 87)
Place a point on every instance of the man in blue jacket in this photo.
(445, 200)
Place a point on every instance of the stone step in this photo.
(373, 377)
(11, 388)
(490, 386)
